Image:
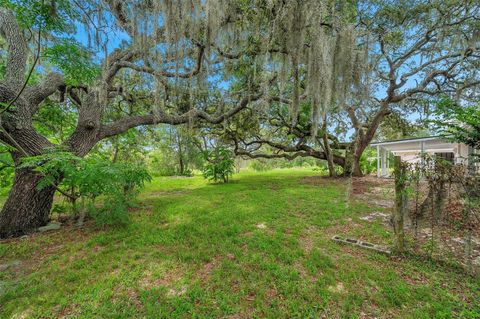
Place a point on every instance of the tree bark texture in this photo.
(27, 207)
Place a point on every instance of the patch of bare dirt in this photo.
(168, 279)
(206, 270)
(271, 293)
(368, 188)
(339, 229)
(172, 292)
(246, 234)
(246, 314)
(134, 298)
(386, 203)
(67, 312)
(384, 217)
(303, 272)
(448, 242)
(23, 315)
(307, 238)
(371, 186)
(359, 186)
(338, 288)
(376, 193)
(416, 279)
(49, 244)
(261, 226)
(120, 291)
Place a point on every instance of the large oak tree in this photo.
(416, 50)
(191, 61)
(170, 52)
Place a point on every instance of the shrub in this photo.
(219, 164)
(368, 161)
(83, 181)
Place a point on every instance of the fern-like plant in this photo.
(219, 165)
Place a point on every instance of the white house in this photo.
(410, 151)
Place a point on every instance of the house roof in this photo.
(407, 140)
(420, 144)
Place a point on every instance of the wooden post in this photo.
(471, 165)
(387, 160)
(401, 206)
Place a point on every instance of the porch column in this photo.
(422, 154)
(384, 162)
(378, 160)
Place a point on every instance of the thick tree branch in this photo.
(160, 116)
(17, 49)
(163, 73)
(39, 92)
(284, 151)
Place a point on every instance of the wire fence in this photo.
(438, 204)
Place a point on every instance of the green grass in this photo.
(258, 247)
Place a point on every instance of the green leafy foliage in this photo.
(53, 165)
(50, 15)
(263, 164)
(54, 120)
(74, 60)
(460, 123)
(219, 165)
(368, 161)
(59, 19)
(176, 152)
(397, 125)
(83, 181)
(6, 170)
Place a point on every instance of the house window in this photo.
(449, 157)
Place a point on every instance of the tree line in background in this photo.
(190, 84)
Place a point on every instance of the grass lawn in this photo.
(258, 247)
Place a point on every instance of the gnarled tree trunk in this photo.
(364, 134)
(352, 161)
(356, 169)
(27, 206)
(327, 148)
(359, 148)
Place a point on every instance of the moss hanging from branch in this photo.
(312, 45)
